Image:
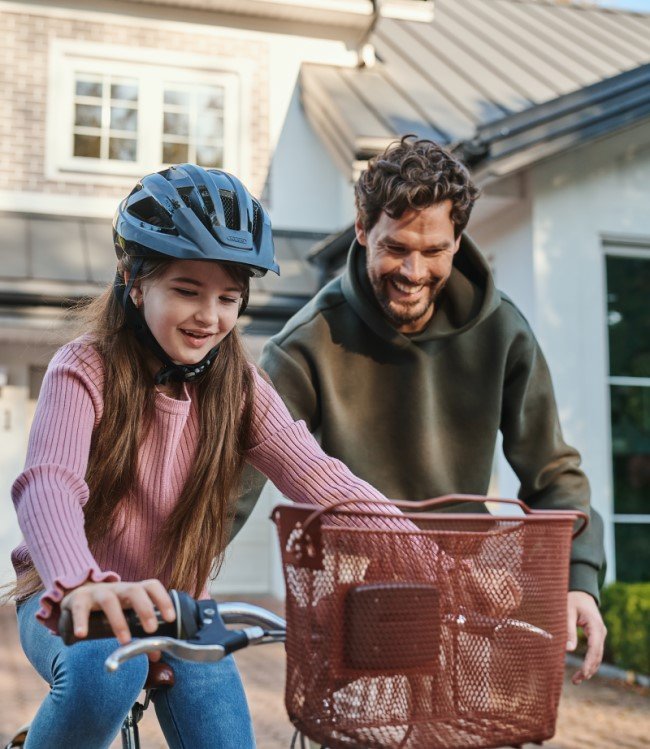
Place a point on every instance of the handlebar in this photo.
(199, 632)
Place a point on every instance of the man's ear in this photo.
(360, 232)
(457, 243)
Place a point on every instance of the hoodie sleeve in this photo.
(548, 468)
(50, 493)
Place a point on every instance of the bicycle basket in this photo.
(437, 630)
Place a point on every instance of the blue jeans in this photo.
(205, 709)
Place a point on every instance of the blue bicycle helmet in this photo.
(190, 213)
(186, 212)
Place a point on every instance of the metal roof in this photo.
(471, 72)
(51, 261)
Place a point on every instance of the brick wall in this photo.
(24, 57)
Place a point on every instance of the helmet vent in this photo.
(207, 200)
(151, 212)
(230, 209)
(256, 217)
(185, 193)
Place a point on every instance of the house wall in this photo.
(268, 63)
(547, 251)
(505, 237)
(579, 199)
(306, 189)
(16, 414)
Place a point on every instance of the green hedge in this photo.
(626, 610)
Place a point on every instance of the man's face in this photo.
(409, 260)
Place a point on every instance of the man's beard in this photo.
(404, 313)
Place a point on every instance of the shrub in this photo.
(626, 610)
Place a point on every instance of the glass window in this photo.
(631, 448)
(632, 552)
(105, 117)
(628, 315)
(628, 323)
(120, 117)
(193, 126)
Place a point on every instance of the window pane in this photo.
(122, 149)
(124, 119)
(124, 91)
(211, 99)
(632, 552)
(87, 115)
(176, 124)
(628, 316)
(179, 98)
(209, 125)
(89, 88)
(209, 156)
(87, 145)
(175, 153)
(631, 448)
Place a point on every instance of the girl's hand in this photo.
(112, 598)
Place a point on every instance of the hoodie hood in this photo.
(468, 297)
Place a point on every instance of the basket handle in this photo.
(446, 499)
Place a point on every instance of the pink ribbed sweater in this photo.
(50, 493)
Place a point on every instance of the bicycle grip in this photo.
(185, 626)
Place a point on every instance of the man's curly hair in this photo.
(414, 174)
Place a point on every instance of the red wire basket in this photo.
(435, 631)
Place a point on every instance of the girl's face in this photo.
(189, 308)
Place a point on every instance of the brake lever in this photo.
(185, 650)
(179, 648)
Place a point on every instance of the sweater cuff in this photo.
(50, 601)
(584, 577)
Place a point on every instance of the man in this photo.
(409, 364)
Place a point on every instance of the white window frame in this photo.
(153, 69)
(639, 251)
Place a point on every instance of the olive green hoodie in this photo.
(417, 416)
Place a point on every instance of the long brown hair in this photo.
(194, 537)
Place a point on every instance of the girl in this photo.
(138, 442)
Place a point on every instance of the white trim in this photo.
(625, 244)
(57, 204)
(620, 249)
(643, 382)
(66, 58)
(610, 541)
(620, 518)
(205, 21)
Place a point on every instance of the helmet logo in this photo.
(239, 240)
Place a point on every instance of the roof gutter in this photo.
(516, 141)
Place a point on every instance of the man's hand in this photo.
(583, 612)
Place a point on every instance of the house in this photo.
(95, 95)
(549, 103)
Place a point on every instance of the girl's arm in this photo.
(50, 493)
(287, 453)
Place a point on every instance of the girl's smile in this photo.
(190, 307)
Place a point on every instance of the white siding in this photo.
(591, 194)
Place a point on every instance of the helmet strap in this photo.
(170, 371)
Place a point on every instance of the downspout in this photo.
(365, 49)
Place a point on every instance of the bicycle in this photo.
(373, 636)
(199, 633)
